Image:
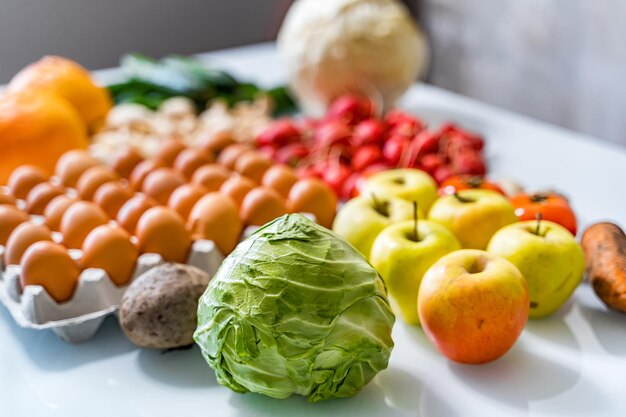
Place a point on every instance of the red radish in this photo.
(350, 143)
(442, 173)
(397, 117)
(309, 171)
(280, 132)
(408, 128)
(446, 128)
(431, 162)
(350, 109)
(366, 156)
(291, 154)
(349, 189)
(473, 139)
(336, 175)
(427, 142)
(332, 133)
(469, 162)
(368, 131)
(394, 148)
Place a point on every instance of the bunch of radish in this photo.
(351, 143)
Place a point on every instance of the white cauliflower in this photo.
(332, 47)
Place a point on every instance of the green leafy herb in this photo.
(151, 82)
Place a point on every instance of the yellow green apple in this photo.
(361, 219)
(473, 305)
(409, 184)
(402, 258)
(473, 215)
(548, 256)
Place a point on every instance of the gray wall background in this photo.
(98, 32)
(556, 60)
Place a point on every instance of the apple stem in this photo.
(539, 217)
(415, 234)
(379, 206)
(462, 199)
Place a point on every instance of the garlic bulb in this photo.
(333, 47)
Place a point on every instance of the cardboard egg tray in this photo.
(95, 296)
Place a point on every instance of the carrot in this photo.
(604, 245)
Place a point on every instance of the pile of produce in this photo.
(135, 126)
(48, 108)
(351, 142)
(504, 268)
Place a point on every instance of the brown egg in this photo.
(49, 264)
(109, 248)
(10, 218)
(39, 197)
(126, 161)
(189, 160)
(262, 205)
(311, 195)
(252, 165)
(216, 142)
(92, 179)
(185, 197)
(140, 172)
(236, 187)
(215, 217)
(281, 178)
(161, 230)
(24, 178)
(22, 237)
(160, 183)
(6, 197)
(71, 166)
(169, 150)
(131, 211)
(211, 176)
(229, 155)
(112, 196)
(79, 219)
(55, 209)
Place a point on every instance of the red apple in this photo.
(473, 305)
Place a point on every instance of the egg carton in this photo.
(95, 296)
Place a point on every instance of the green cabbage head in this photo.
(295, 310)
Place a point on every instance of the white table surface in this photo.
(571, 364)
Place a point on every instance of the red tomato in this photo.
(466, 182)
(552, 207)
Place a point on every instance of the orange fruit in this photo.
(70, 81)
(36, 129)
